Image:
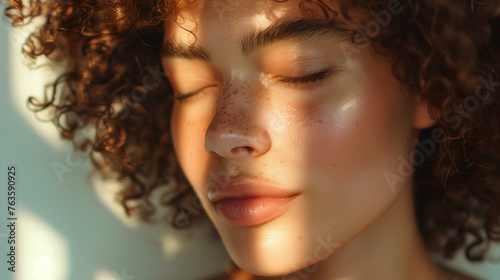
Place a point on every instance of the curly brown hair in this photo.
(446, 51)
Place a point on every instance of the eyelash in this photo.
(289, 80)
(181, 96)
(306, 79)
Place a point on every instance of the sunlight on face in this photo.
(285, 140)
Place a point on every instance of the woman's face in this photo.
(284, 135)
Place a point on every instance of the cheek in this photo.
(353, 140)
(362, 127)
(188, 135)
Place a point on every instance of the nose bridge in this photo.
(236, 128)
(232, 106)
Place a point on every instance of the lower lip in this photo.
(252, 211)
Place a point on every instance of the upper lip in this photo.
(246, 187)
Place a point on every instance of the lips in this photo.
(245, 201)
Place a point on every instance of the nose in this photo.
(238, 127)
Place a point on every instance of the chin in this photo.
(270, 250)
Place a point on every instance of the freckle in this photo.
(281, 161)
(333, 164)
(301, 236)
(357, 124)
(334, 226)
(320, 121)
(230, 131)
(261, 173)
(386, 150)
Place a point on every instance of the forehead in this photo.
(248, 14)
(200, 20)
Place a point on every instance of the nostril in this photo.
(242, 149)
(234, 145)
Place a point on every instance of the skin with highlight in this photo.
(331, 140)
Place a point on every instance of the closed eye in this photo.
(289, 80)
(306, 79)
(180, 96)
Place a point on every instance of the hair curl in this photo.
(449, 54)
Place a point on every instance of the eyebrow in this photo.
(184, 51)
(280, 31)
(294, 29)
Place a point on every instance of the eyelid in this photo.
(183, 84)
(310, 78)
(290, 65)
(188, 77)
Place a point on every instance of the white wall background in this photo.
(67, 231)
